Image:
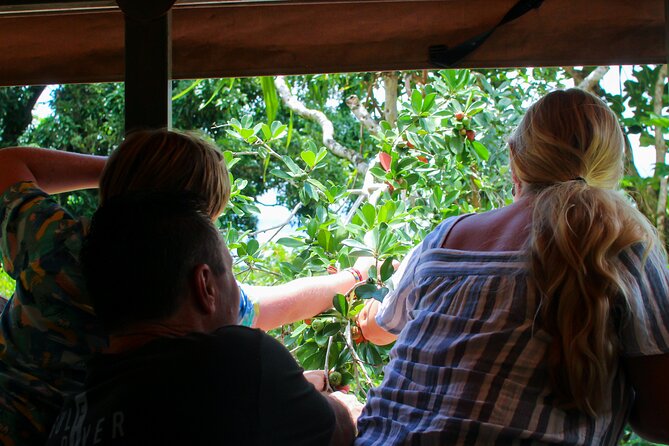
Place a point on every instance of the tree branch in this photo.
(575, 74)
(318, 117)
(390, 82)
(362, 114)
(279, 226)
(592, 80)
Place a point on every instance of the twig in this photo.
(356, 358)
(279, 226)
(326, 367)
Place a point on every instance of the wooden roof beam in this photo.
(247, 38)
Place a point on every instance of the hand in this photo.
(350, 402)
(316, 378)
(369, 310)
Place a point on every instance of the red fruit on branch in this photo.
(471, 135)
(307, 321)
(385, 160)
(459, 116)
(356, 335)
(344, 389)
(422, 159)
(409, 145)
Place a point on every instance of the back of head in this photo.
(568, 153)
(167, 161)
(140, 253)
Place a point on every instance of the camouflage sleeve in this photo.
(40, 243)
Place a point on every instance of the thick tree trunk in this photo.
(660, 154)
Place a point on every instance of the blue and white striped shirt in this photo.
(469, 364)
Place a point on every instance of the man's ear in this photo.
(205, 289)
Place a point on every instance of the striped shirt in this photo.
(469, 364)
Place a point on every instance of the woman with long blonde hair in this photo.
(542, 322)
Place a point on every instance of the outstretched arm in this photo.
(54, 171)
(303, 298)
(300, 298)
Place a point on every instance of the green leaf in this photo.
(270, 96)
(289, 132)
(368, 214)
(310, 191)
(321, 154)
(371, 291)
(387, 269)
(309, 158)
(428, 102)
(266, 132)
(294, 168)
(290, 242)
(355, 244)
(386, 212)
(252, 247)
(340, 304)
(187, 90)
(480, 150)
(317, 184)
(416, 101)
(281, 174)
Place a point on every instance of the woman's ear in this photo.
(204, 289)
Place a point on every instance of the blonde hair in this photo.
(568, 153)
(166, 161)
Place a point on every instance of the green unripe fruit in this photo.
(335, 378)
(317, 324)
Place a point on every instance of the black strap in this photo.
(444, 57)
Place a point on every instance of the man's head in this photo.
(167, 161)
(154, 256)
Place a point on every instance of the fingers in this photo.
(316, 378)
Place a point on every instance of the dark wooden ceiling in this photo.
(46, 42)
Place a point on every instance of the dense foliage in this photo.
(442, 153)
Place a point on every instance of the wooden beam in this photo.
(238, 38)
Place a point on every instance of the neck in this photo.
(136, 336)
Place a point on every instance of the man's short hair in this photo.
(141, 252)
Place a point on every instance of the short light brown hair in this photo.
(167, 161)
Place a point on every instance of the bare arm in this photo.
(298, 299)
(370, 329)
(650, 412)
(54, 171)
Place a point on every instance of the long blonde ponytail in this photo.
(567, 153)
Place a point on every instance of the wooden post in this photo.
(148, 63)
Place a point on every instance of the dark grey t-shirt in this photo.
(236, 386)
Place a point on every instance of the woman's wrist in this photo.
(357, 275)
